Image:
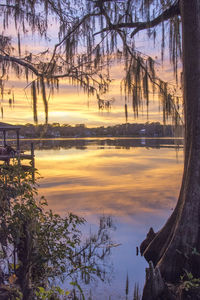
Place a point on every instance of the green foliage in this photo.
(79, 288)
(54, 293)
(189, 281)
(38, 246)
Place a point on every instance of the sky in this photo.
(71, 105)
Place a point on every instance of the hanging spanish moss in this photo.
(44, 98)
(92, 35)
(34, 97)
(19, 43)
(126, 112)
(175, 43)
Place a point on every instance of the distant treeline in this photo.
(55, 130)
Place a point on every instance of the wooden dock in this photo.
(20, 156)
(16, 154)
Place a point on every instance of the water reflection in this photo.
(83, 143)
(134, 182)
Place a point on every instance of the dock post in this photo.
(18, 148)
(4, 138)
(33, 162)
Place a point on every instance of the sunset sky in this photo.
(70, 105)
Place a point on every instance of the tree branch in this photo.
(171, 12)
(20, 62)
(70, 33)
(123, 38)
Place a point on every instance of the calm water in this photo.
(136, 181)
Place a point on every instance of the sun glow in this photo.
(72, 106)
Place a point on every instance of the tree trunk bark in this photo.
(173, 250)
(25, 256)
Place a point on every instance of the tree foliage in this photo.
(91, 36)
(38, 247)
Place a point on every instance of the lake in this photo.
(134, 180)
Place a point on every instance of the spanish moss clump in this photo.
(34, 97)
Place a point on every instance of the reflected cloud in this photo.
(119, 182)
(137, 186)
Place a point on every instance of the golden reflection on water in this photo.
(120, 182)
(137, 185)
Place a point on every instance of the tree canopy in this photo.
(82, 39)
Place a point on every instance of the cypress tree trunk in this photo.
(173, 248)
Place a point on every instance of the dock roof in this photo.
(6, 126)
